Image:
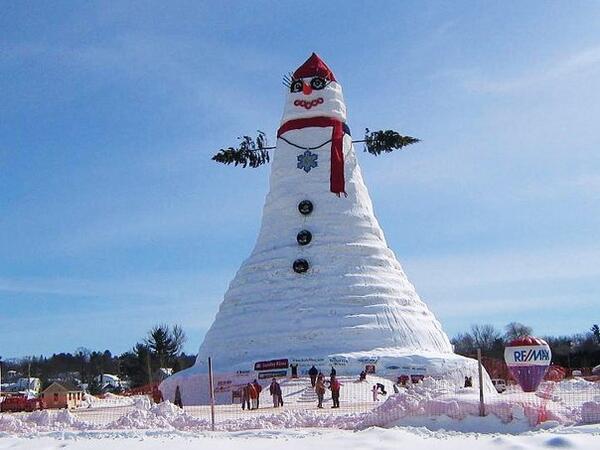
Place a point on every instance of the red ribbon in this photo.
(336, 180)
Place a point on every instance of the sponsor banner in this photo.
(308, 361)
(224, 386)
(338, 361)
(272, 374)
(229, 385)
(272, 364)
(528, 355)
(369, 359)
(413, 369)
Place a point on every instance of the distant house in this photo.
(24, 385)
(62, 394)
(108, 382)
(161, 373)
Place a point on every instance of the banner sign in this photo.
(338, 361)
(270, 365)
(527, 355)
(272, 374)
(369, 359)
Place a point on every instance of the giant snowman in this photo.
(321, 286)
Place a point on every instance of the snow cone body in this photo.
(321, 285)
(528, 359)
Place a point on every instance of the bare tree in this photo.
(515, 330)
(486, 337)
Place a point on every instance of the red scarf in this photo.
(336, 180)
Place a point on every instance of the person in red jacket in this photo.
(335, 386)
(253, 395)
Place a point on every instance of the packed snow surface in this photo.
(574, 438)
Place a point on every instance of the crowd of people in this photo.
(320, 384)
(250, 393)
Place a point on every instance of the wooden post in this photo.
(481, 402)
(212, 394)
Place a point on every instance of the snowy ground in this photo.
(585, 437)
(435, 404)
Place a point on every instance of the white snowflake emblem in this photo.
(307, 161)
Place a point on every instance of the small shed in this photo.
(62, 394)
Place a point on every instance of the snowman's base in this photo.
(386, 363)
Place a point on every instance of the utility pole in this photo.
(481, 402)
(211, 387)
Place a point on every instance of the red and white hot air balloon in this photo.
(528, 359)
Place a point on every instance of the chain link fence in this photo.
(344, 402)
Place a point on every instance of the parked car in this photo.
(499, 384)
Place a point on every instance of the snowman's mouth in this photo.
(307, 104)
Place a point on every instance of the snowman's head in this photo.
(313, 91)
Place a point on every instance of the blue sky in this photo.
(113, 217)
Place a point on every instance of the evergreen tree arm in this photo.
(386, 141)
(250, 152)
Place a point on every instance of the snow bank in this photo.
(590, 412)
(431, 402)
(109, 400)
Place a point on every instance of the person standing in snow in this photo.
(258, 388)
(333, 372)
(335, 387)
(320, 390)
(246, 397)
(275, 391)
(253, 396)
(157, 394)
(313, 372)
(177, 401)
(375, 391)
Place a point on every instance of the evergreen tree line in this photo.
(579, 350)
(161, 348)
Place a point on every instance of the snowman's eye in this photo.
(318, 83)
(296, 86)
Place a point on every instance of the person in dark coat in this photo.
(157, 396)
(333, 372)
(275, 391)
(258, 388)
(381, 388)
(294, 368)
(177, 401)
(362, 376)
(313, 372)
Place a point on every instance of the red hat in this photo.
(314, 66)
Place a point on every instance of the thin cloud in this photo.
(574, 64)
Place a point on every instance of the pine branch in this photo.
(386, 141)
(255, 153)
(249, 153)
